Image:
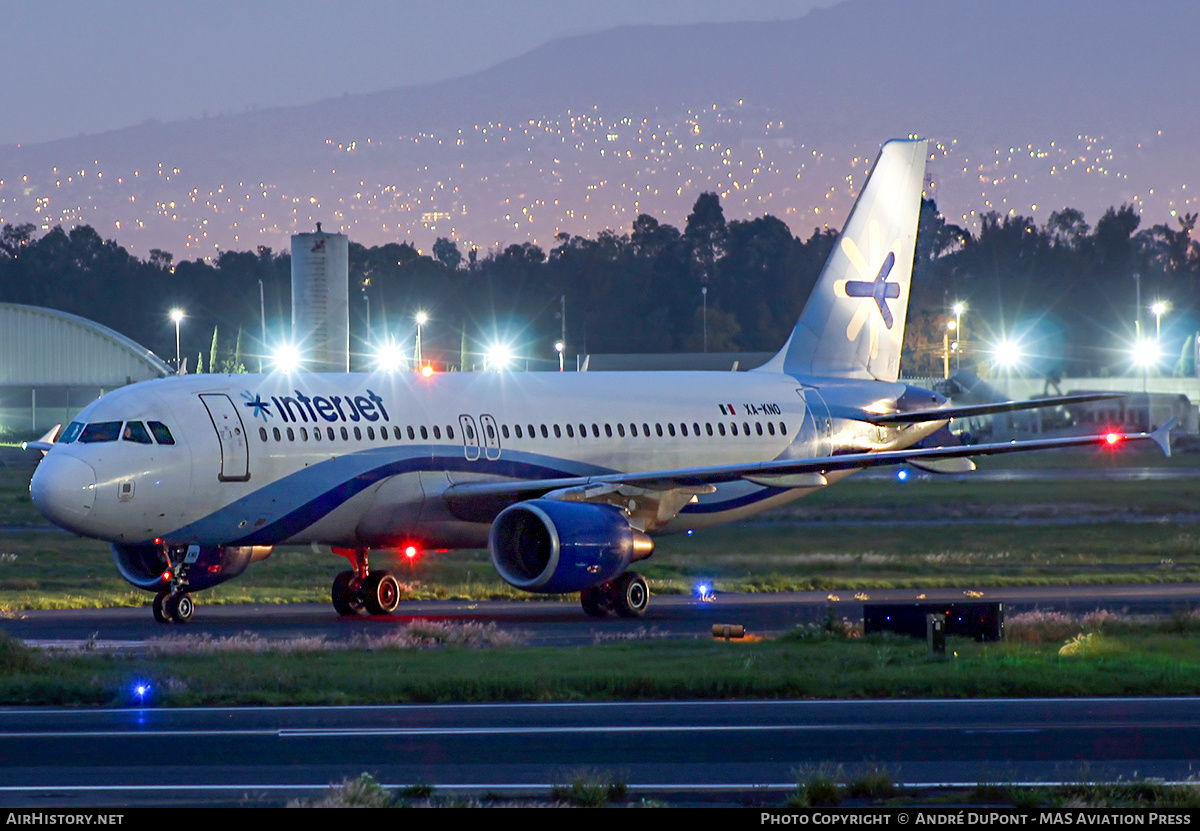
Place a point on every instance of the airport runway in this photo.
(683, 752)
(563, 623)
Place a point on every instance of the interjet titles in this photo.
(303, 408)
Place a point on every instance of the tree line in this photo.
(1066, 290)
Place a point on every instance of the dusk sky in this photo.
(78, 66)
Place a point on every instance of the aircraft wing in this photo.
(969, 410)
(45, 442)
(789, 472)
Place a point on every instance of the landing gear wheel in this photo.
(594, 601)
(346, 601)
(630, 595)
(160, 607)
(180, 607)
(381, 593)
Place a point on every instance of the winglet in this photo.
(1162, 436)
(45, 442)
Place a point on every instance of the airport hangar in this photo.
(52, 364)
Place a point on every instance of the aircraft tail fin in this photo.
(853, 323)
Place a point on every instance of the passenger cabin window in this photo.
(100, 431)
(72, 432)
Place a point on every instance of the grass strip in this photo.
(1116, 657)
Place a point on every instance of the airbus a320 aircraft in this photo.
(564, 476)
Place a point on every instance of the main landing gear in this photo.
(378, 592)
(628, 596)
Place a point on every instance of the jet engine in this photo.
(146, 567)
(549, 546)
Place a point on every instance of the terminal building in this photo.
(52, 364)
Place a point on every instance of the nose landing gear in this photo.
(173, 608)
(175, 605)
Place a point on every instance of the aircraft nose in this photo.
(64, 489)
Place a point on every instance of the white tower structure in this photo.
(321, 299)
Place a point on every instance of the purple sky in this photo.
(80, 66)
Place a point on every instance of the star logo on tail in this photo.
(873, 288)
(879, 289)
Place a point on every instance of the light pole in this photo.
(1008, 353)
(560, 347)
(1159, 308)
(1137, 323)
(421, 319)
(176, 316)
(262, 313)
(367, 300)
(704, 313)
(958, 309)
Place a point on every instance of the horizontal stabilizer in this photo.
(1162, 436)
(970, 410)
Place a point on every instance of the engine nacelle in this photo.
(549, 546)
(207, 565)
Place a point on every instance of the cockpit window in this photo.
(99, 431)
(135, 431)
(72, 432)
(161, 434)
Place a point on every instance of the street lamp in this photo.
(1159, 308)
(1008, 353)
(1145, 355)
(949, 346)
(499, 357)
(560, 347)
(958, 309)
(176, 316)
(262, 312)
(421, 319)
(704, 313)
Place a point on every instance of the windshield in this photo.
(101, 431)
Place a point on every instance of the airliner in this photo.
(565, 477)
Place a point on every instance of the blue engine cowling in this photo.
(544, 545)
(208, 565)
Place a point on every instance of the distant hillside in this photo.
(1084, 104)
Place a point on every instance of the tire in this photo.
(381, 593)
(630, 595)
(345, 601)
(160, 607)
(594, 602)
(180, 607)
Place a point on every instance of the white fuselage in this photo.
(365, 460)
